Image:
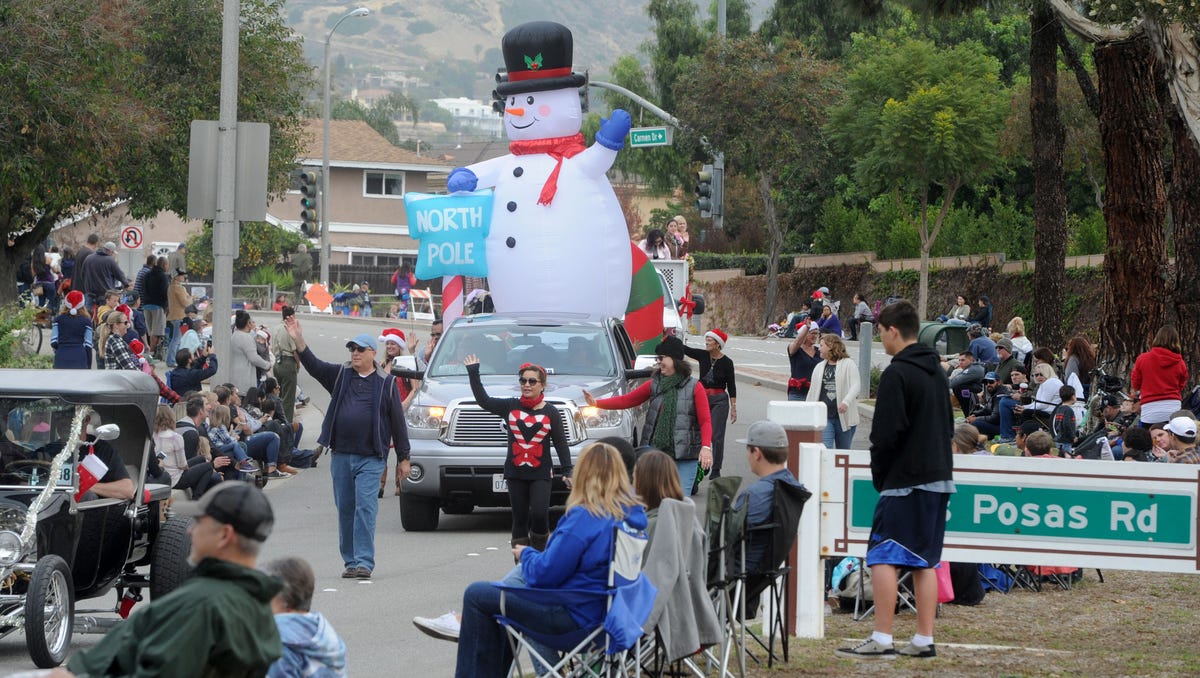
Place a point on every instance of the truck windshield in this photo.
(583, 351)
(34, 432)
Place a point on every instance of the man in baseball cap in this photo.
(238, 636)
(365, 416)
(1183, 440)
(767, 446)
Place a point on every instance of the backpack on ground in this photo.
(1088, 447)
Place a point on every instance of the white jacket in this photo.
(847, 383)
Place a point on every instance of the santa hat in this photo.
(717, 336)
(75, 301)
(818, 294)
(137, 347)
(124, 308)
(263, 334)
(394, 335)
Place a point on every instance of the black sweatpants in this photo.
(530, 501)
(198, 476)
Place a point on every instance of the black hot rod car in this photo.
(57, 548)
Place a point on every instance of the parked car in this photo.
(56, 550)
(458, 449)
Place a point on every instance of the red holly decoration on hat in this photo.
(394, 335)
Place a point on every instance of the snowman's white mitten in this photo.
(461, 179)
(611, 134)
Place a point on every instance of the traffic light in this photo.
(704, 191)
(310, 223)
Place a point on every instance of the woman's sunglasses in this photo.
(528, 381)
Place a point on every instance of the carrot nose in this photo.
(519, 112)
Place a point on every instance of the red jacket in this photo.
(1159, 374)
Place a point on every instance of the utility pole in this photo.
(719, 157)
(225, 226)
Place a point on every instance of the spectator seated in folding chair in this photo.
(683, 620)
(754, 537)
(584, 594)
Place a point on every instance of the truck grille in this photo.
(471, 425)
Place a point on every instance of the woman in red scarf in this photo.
(531, 424)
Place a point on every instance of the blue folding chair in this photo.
(602, 650)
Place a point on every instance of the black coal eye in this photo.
(529, 101)
(512, 101)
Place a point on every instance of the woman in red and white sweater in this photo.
(1158, 378)
(678, 420)
(531, 424)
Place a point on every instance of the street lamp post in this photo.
(325, 245)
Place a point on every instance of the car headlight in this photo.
(425, 416)
(10, 548)
(416, 473)
(594, 417)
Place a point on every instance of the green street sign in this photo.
(644, 137)
(1054, 512)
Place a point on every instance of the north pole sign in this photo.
(131, 237)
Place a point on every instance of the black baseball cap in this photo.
(238, 504)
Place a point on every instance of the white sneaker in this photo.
(445, 627)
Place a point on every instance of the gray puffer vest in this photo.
(687, 428)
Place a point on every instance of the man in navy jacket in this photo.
(365, 416)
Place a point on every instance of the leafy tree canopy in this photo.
(99, 99)
(915, 114)
(260, 244)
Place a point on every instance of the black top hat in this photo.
(538, 57)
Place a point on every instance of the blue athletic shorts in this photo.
(908, 531)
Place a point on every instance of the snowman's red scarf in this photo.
(556, 147)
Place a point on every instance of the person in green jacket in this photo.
(219, 622)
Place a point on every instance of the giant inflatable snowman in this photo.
(558, 239)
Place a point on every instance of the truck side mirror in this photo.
(405, 367)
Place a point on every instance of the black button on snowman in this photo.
(551, 194)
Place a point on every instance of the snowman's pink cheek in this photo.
(543, 110)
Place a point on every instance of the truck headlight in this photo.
(425, 416)
(10, 548)
(594, 417)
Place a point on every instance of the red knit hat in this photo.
(137, 347)
(75, 301)
(124, 308)
(717, 336)
(394, 335)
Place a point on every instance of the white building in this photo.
(474, 116)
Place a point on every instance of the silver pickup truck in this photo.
(458, 449)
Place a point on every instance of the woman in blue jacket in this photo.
(578, 557)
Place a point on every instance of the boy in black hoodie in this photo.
(912, 468)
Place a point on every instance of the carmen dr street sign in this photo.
(644, 137)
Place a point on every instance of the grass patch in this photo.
(1135, 623)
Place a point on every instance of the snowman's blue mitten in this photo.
(461, 179)
(613, 130)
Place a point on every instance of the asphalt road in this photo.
(416, 573)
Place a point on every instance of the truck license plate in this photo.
(499, 484)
